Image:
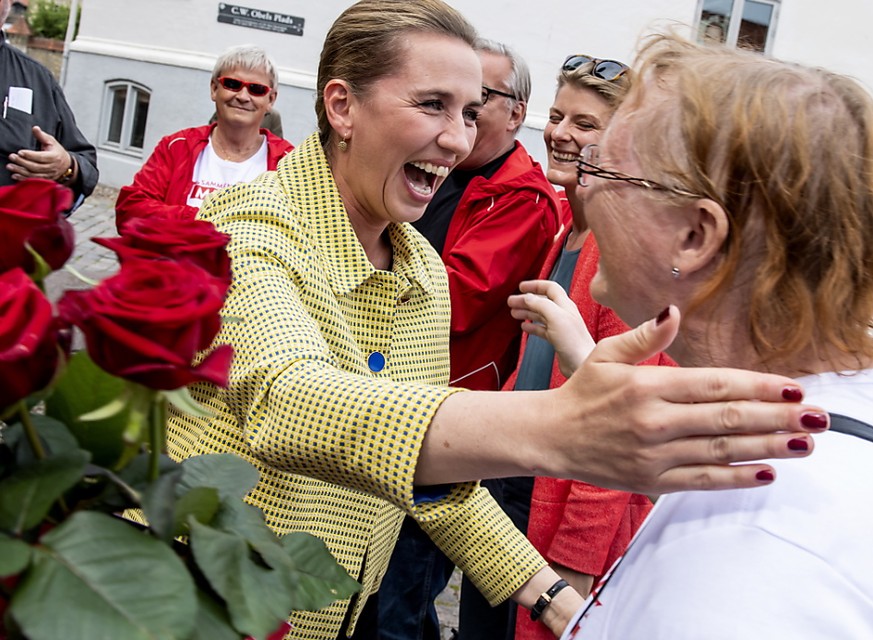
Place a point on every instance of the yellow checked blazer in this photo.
(336, 442)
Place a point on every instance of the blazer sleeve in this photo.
(591, 520)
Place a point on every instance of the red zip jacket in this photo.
(500, 234)
(160, 188)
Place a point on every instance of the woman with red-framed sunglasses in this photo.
(236, 146)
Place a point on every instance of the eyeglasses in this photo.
(487, 91)
(587, 166)
(235, 85)
(603, 69)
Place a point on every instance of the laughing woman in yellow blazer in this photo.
(337, 391)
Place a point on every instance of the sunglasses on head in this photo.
(603, 69)
(235, 85)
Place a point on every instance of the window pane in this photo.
(140, 115)
(757, 17)
(714, 20)
(116, 114)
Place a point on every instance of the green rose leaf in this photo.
(55, 438)
(201, 503)
(28, 494)
(85, 388)
(213, 622)
(159, 504)
(14, 556)
(247, 521)
(258, 597)
(99, 573)
(311, 574)
(232, 476)
(320, 579)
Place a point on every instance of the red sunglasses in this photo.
(235, 85)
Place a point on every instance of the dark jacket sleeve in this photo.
(72, 139)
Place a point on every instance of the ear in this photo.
(273, 95)
(701, 237)
(338, 99)
(516, 118)
(213, 89)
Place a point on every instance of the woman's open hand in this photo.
(550, 314)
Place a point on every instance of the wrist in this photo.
(546, 597)
(68, 176)
(561, 610)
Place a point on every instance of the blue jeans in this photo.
(419, 571)
(417, 574)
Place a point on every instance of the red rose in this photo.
(31, 212)
(147, 323)
(28, 338)
(195, 240)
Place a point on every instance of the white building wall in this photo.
(169, 46)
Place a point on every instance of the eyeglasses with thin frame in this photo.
(487, 91)
(587, 166)
(604, 69)
(236, 85)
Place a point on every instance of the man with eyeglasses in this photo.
(38, 133)
(493, 222)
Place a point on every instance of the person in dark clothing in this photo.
(38, 133)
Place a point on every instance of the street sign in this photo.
(259, 19)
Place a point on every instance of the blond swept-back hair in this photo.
(365, 43)
(787, 151)
(249, 57)
(613, 91)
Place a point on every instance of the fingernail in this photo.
(815, 421)
(765, 476)
(662, 316)
(792, 394)
(798, 444)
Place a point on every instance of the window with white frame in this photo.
(126, 109)
(738, 23)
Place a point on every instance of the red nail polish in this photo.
(792, 394)
(765, 476)
(798, 444)
(814, 421)
(662, 316)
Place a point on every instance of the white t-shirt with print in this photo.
(212, 173)
(791, 561)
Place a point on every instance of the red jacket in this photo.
(573, 523)
(500, 234)
(160, 187)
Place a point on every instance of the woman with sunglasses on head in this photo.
(740, 189)
(337, 393)
(188, 165)
(579, 529)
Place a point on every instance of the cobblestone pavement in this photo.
(96, 219)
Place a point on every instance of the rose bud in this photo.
(31, 212)
(28, 338)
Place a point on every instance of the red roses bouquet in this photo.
(82, 439)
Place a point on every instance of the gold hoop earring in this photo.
(342, 145)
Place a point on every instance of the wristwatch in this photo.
(67, 176)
